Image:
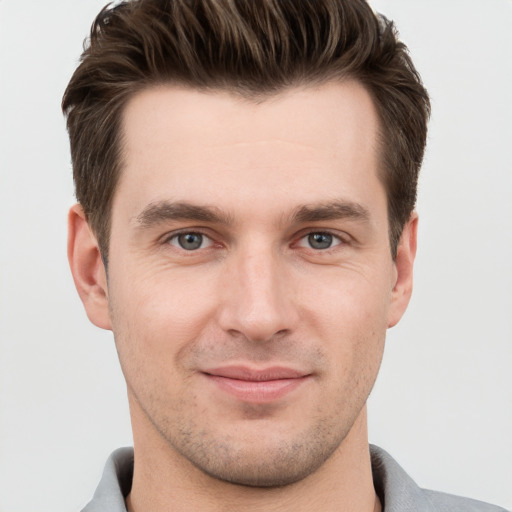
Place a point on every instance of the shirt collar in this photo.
(395, 488)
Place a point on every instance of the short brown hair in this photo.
(251, 47)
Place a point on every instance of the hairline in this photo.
(254, 96)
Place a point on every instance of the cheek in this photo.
(157, 315)
(350, 316)
(350, 301)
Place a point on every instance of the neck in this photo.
(343, 482)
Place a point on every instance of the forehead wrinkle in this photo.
(162, 211)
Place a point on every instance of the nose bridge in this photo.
(257, 300)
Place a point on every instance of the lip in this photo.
(261, 385)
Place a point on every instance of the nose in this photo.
(258, 296)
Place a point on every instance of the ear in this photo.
(87, 268)
(404, 262)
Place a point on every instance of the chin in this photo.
(261, 462)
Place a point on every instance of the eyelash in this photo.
(175, 236)
(337, 240)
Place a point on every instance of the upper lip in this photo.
(256, 374)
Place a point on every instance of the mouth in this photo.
(256, 385)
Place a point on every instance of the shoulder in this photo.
(115, 483)
(442, 502)
(399, 493)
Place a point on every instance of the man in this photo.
(246, 175)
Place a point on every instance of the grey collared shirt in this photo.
(396, 490)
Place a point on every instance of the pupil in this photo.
(190, 241)
(320, 240)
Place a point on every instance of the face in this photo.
(250, 280)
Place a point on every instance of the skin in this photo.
(253, 183)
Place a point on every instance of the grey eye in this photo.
(320, 240)
(189, 241)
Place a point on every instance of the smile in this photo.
(256, 386)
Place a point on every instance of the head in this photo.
(249, 169)
(252, 49)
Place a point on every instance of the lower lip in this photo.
(257, 391)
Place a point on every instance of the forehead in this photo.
(332, 114)
(297, 147)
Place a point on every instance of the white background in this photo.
(443, 403)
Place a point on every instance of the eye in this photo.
(320, 241)
(190, 241)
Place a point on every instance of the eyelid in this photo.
(341, 238)
(166, 239)
(334, 237)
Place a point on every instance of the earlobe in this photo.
(404, 263)
(87, 268)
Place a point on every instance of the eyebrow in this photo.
(333, 210)
(162, 211)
